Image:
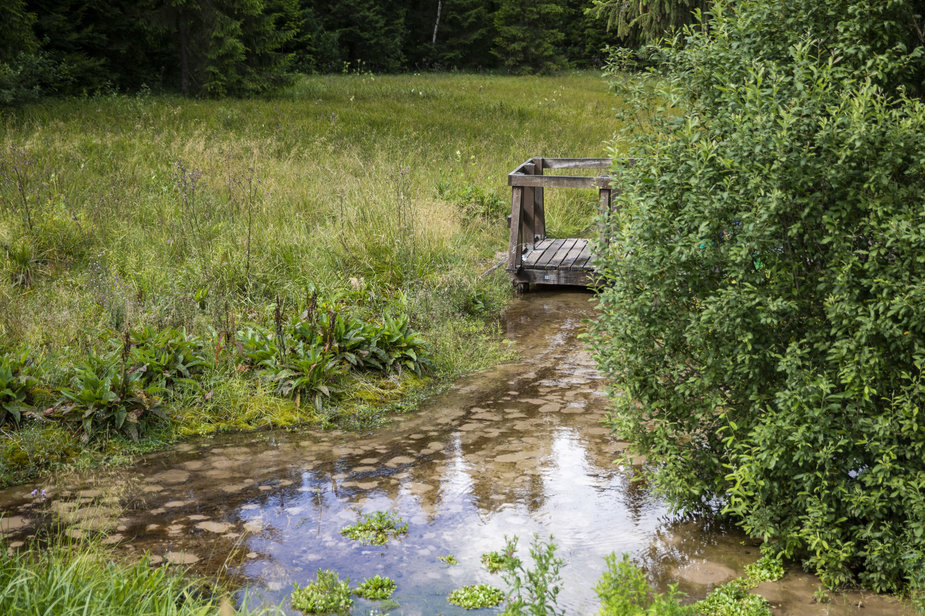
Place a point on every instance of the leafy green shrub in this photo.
(624, 590)
(18, 383)
(403, 347)
(533, 591)
(376, 588)
(327, 594)
(316, 351)
(376, 528)
(496, 561)
(257, 346)
(103, 394)
(733, 600)
(167, 357)
(308, 373)
(476, 597)
(765, 307)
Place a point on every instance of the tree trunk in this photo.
(433, 41)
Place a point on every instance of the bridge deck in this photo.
(558, 261)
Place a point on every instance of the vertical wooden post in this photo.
(539, 210)
(529, 220)
(515, 252)
(605, 204)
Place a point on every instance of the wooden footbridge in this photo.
(534, 258)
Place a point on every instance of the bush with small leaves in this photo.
(763, 306)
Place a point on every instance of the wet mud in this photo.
(517, 451)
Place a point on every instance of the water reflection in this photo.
(516, 451)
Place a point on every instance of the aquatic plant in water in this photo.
(375, 528)
(476, 597)
(533, 591)
(328, 594)
(497, 561)
(376, 588)
(449, 559)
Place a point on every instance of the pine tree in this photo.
(645, 21)
(528, 36)
(467, 31)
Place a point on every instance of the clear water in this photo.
(517, 451)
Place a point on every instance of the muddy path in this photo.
(519, 450)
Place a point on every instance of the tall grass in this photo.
(386, 195)
(68, 578)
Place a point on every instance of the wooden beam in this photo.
(578, 163)
(539, 209)
(558, 181)
(605, 205)
(515, 250)
(528, 221)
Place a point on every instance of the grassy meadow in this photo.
(377, 200)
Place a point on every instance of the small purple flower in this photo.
(37, 492)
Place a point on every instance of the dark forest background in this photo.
(239, 47)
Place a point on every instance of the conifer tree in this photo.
(528, 36)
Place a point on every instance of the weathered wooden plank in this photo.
(583, 259)
(532, 258)
(577, 247)
(549, 253)
(558, 181)
(539, 209)
(526, 220)
(605, 211)
(559, 276)
(556, 261)
(514, 248)
(577, 163)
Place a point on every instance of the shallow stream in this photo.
(516, 451)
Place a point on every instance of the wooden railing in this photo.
(528, 215)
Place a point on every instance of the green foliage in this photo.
(647, 21)
(496, 561)
(376, 588)
(764, 309)
(476, 597)
(733, 600)
(528, 36)
(103, 394)
(448, 560)
(532, 591)
(403, 348)
(113, 245)
(766, 569)
(166, 358)
(18, 385)
(327, 594)
(70, 579)
(376, 528)
(473, 200)
(624, 590)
